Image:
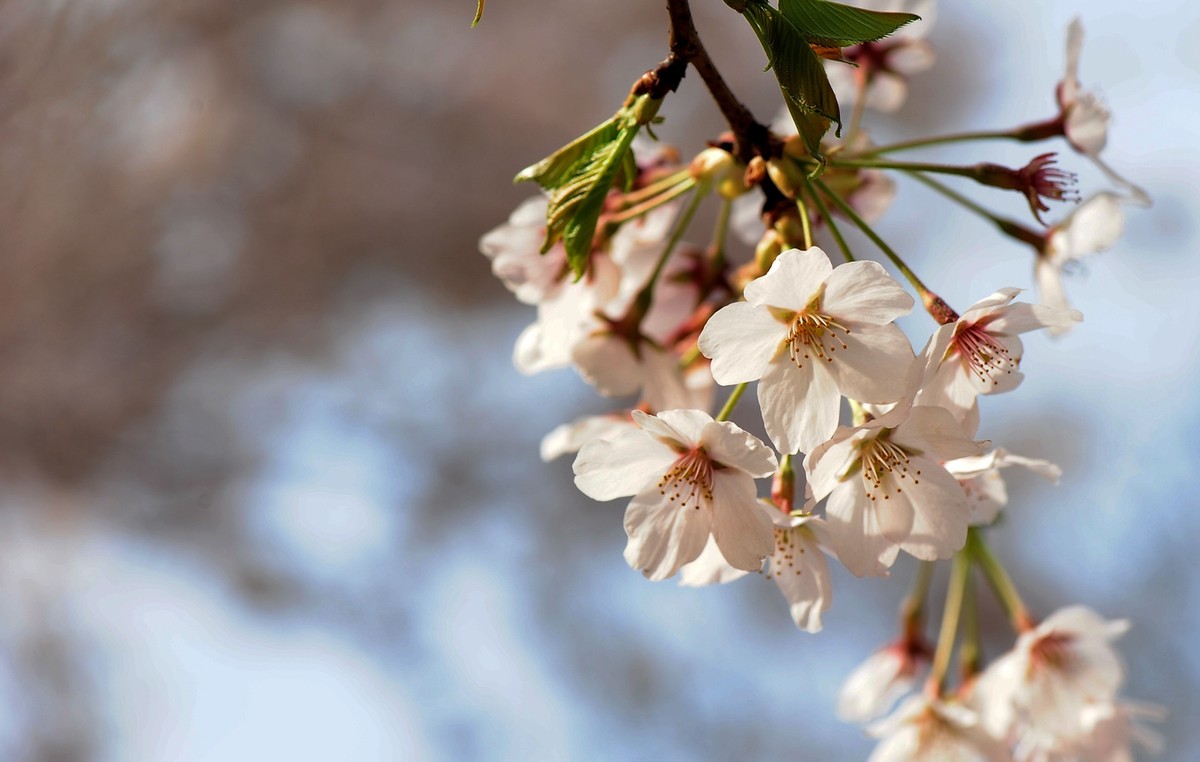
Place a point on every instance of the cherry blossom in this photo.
(812, 332)
(1110, 731)
(888, 490)
(797, 566)
(1085, 118)
(980, 352)
(515, 251)
(887, 64)
(876, 684)
(925, 729)
(1092, 227)
(980, 478)
(691, 478)
(1038, 691)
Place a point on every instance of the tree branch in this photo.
(749, 136)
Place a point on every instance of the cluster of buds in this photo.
(884, 437)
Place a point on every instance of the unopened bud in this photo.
(769, 247)
(756, 170)
(784, 176)
(722, 170)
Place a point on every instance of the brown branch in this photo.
(749, 136)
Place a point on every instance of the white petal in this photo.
(912, 58)
(940, 513)
(728, 445)
(826, 464)
(886, 92)
(663, 535)
(863, 292)
(741, 339)
(875, 685)
(854, 533)
(933, 432)
(792, 281)
(800, 406)
(608, 363)
(1086, 125)
(998, 299)
(569, 437)
(1095, 225)
(741, 530)
(874, 365)
(1022, 318)
(683, 427)
(607, 469)
(663, 384)
(1050, 288)
(709, 568)
(802, 574)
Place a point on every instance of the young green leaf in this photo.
(478, 13)
(835, 25)
(806, 90)
(553, 171)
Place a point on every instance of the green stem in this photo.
(651, 203)
(731, 403)
(720, 234)
(833, 226)
(1026, 134)
(1001, 584)
(655, 188)
(646, 295)
(971, 171)
(805, 221)
(870, 233)
(969, 655)
(1008, 227)
(950, 618)
(912, 611)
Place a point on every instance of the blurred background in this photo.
(269, 484)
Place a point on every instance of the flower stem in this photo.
(950, 617)
(655, 188)
(805, 221)
(969, 654)
(646, 295)
(1001, 584)
(1009, 227)
(971, 171)
(720, 234)
(651, 203)
(731, 403)
(833, 226)
(912, 611)
(783, 486)
(1026, 134)
(870, 233)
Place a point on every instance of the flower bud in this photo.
(720, 168)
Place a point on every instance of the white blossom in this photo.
(1093, 226)
(691, 478)
(980, 478)
(812, 332)
(876, 684)
(925, 729)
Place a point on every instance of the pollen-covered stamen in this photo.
(1053, 650)
(689, 482)
(982, 353)
(814, 335)
(787, 556)
(885, 467)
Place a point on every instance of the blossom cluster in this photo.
(885, 438)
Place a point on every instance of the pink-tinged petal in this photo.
(684, 427)
(830, 461)
(741, 530)
(912, 58)
(874, 196)
(569, 437)
(939, 525)
(886, 91)
(729, 446)
(626, 465)
(1074, 48)
(876, 684)
(741, 339)
(664, 535)
(663, 384)
(1094, 226)
(855, 534)
(1042, 468)
(1050, 288)
(934, 433)
(800, 570)
(874, 364)
(863, 292)
(984, 306)
(800, 406)
(792, 281)
(608, 363)
(1022, 318)
(710, 568)
(1086, 125)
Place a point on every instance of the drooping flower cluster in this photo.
(882, 440)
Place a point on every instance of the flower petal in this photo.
(663, 535)
(607, 362)
(626, 465)
(742, 531)
(855, 534)
(800, 406)
(741, 339)
(874, 364)
(709, 568)
(792, 281)
(939, 526)
(800, 570)
(863, 292)
(934, 433)
(728, 445)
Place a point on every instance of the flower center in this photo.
(814, 335)
(885, 465)
(786, 554)
(690, 480)
(982, 354)
(1053, 650)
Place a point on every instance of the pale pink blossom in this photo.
(885, 66)
(811, 333)
(1094, 226)
(797, 566)
(980, 353)
(1038, 691)
(515, 251)
(925, 729)
(691, 478)
(1085, 118)
(980, 478)
(875, 685)
(888, 490)
(1109, 733)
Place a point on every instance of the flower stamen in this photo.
(690, 479)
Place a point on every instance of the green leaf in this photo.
(579, 175)
(478, 13)
(806, 90)
(835, 25)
